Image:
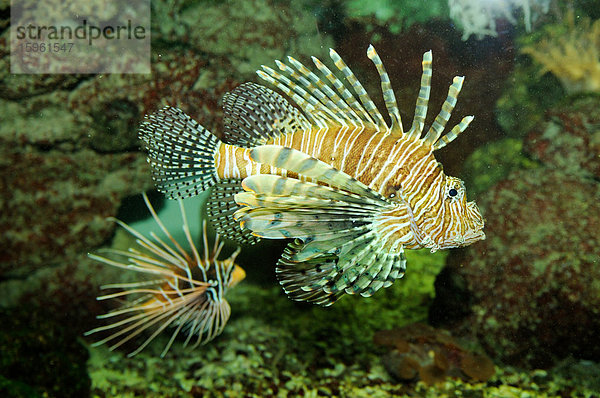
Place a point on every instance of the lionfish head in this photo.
(461, 221)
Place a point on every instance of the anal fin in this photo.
(220, 208)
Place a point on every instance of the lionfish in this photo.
(186, 292)
(351, 190)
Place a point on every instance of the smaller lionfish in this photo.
(187, 291)
(322, 167)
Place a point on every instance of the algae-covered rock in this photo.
(40, 356)
(395, 16)
(533, 284)
(60, 202)
(492, 163)
(421, 352)
(240, 37)
(524, 99)
(569, 139)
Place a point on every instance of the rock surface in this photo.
(532, 285)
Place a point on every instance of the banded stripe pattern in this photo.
(182, 290)
(347, 131)
(322, 167)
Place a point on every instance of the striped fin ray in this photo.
(220, 208)
(262, 183)
(251, 199)
(456, 130)
(353, 261)
(320, 100)
(437, 128)
(359, 90)
(282, 223)
(432, 138)
(180, 153)
(303, 281)
(283, 207)
(366, 268)
(338, 247)
(307, 166)
(382, 274)
(423, 98)
(330, 241)
(313, 109)
(314, 94)
(310, 98)
(345, 111)
(323, 93)
(314, 280)
(253, 114)
(349, 102)
(388, 93)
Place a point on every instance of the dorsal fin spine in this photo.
(304, 105)
(348, 113)
(317, 97)
(319, 113)
(321, 91)
(341, 65)
(336, 103)
(386, 88)
(448, 138)
(368, 104)
(423, 98)
(437, 128)
(347, 101)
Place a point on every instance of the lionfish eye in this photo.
(452, 192)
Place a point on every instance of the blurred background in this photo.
(515, 315)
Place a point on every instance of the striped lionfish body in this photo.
(352, 191)
(186, 291)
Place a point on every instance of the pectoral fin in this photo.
(341, 242)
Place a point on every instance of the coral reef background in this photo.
(520, 309)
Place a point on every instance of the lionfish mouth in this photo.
(473, 236)
(462, 240)
(475, 233)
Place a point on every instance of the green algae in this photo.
(257, 360)
(524, 100)
(225, 32)
(493, 162)
(275, 347)
(395, 16)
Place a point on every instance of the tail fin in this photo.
(181, 153)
